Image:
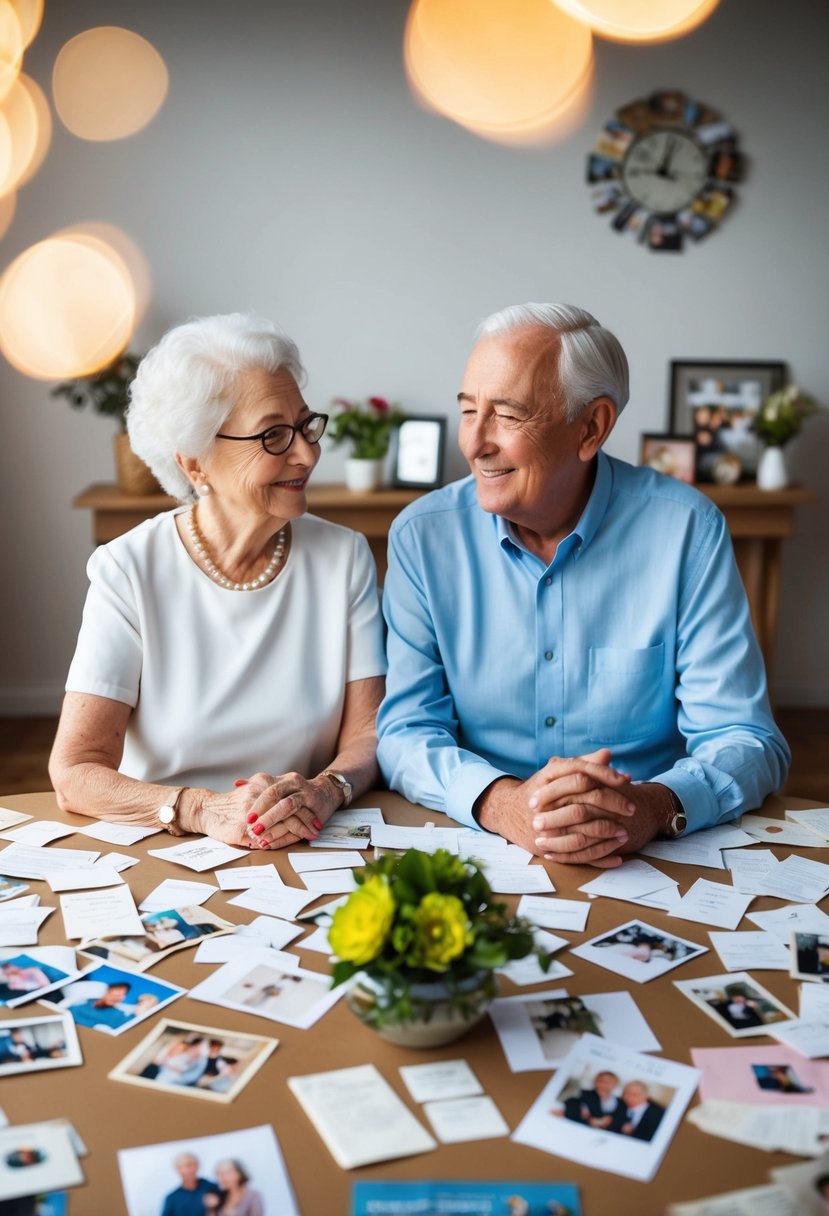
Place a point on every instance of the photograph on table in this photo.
(36, 1158)
(717, 403)
(112, 999)
(10, 888)
(37, 1044)
(166, 931)
(25, 975)
(673, 455)
(740, 1005)
(806, 1186)
(810, 957)
(779, 1078)
(761, 1075)
(638, 951)
(537, 1032)
(256, 984)
(199, 1061)
(244, 1169)
(610, 1108)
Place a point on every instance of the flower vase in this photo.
(363, 475)
(441, 1012)
(771, 471)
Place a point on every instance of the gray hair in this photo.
(591, 362)
(186, 385)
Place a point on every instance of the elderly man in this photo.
(188, 1199)
(643, 1114)
(560, 603)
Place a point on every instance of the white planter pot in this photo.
(771, 471)
(362, 475)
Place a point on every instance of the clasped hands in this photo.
(577, 810)
(268, 812)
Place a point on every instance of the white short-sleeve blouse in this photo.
(226, 683)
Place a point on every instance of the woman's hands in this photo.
(284, 810)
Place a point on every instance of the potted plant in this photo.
(107, 392)
(423, 936)
(368, 425)
(779, 419)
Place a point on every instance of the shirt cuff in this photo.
(466, 787)
(699, 803)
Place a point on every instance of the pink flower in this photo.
(380, 404)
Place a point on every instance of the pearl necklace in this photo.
(210, 568)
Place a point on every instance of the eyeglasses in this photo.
(277, 439)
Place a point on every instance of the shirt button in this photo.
(549, 721)
(548, 654)
(547, 582)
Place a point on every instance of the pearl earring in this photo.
(204, 489)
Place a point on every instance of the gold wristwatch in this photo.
(167, 814)
(342, 782)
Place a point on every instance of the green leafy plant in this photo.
(368, 424)
(782, 415)
(422, 917)
(107, 392)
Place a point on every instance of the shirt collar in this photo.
(589, 520)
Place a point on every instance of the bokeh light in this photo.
(108, 83)
(66, 308)
(30, 15)
(25, 133)
(640, 20)
(8, 206)
(11, 46)
(503, 70)
(127, 250)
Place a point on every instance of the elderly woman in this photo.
(230, 661)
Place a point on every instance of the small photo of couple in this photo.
(111, 999)
(195, 1060)
(36, 1044)
(609, 1102)
(235, 1173)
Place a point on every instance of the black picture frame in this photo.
(668, 453)
(418, 451)
(716, 402)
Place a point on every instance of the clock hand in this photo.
(667, 157)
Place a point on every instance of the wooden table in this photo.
(758, 521)
(110, 1115)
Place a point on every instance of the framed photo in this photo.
(418, 453)
(717, 403)
(35, 1044)
(740, 1005)
(675, 455)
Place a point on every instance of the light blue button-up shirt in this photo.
(637, 637)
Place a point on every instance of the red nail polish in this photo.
(258, 829)
(239, 782)
(263, 844)
(317, 825)
(252, 817)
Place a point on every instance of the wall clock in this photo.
(664, 167)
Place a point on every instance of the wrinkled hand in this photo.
(284, 810)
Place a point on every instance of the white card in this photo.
(476, 845)
(110, 913)
(816, 820)
(317, 941)
(241, 878)
(303, 863)
(177, 893)
(798, 878)
(814, 1002)
(698, 849)
(712, 903)
(359, 1116)
(19, 925)
(117, 833)
(273, 900)
(753, 1201)
(199, 855)
(811, 1039)
(462, 1119)
(514, 880)
(55, 1168)
(753, 950)
(84, 879)
(628, 881)
(427, 839)
(270, 931)
(548, 1126)
(10, 819)
(787, 1129)
(537, 1032)
(749, 868)
(27, 861)
(780, 831)
(118, 861)
(281, 991)
(435, 1082)
(638, 951)
(39, 833)
(349, 829)
(329, 882)
(794, 918)
(528, 970)
(567, 914)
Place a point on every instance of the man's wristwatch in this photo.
(677, 819)
(167, 815)
(342, 782)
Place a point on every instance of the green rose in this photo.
(361, 925)
(442, 932)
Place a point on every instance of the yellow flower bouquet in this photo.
(423, 924)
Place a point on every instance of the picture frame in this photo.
(717, 402)
(419, 444)
(674, 455)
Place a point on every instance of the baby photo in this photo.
(638, 951)
(737, 1002)
(36, 1044)
(195, 1060)
(111, 999)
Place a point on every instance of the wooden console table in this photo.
(758, 521)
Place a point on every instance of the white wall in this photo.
(291, 172)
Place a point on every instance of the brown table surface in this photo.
(110, 1115)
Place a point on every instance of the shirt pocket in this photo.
(624, 693)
